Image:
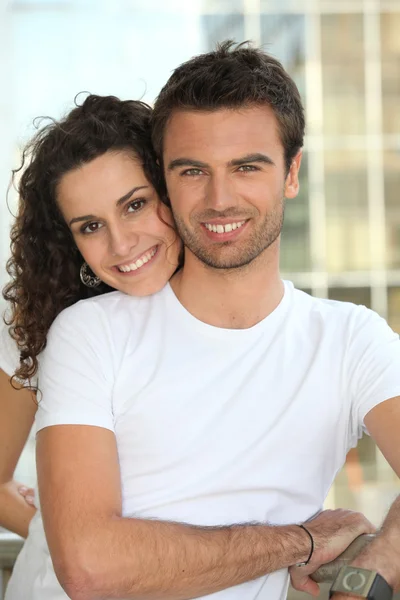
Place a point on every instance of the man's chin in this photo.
(224, 263)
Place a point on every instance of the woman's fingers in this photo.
(28, 494)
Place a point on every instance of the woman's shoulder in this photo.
(104, 320)
(98, 331)
(111, 304)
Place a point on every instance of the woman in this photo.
(90, 220)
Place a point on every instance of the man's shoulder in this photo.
(334, 313)
(325, 306)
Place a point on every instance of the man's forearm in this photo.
(155, 559)
(383, 553)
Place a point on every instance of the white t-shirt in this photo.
(215, 426)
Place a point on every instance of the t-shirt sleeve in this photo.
(373, 366)
(76, 370)
(9, 353)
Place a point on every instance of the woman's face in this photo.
(123, 231)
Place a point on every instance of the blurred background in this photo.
(341, 236)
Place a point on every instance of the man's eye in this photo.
(91, 227)
(136, 205)
(192, 172)
(248, 168)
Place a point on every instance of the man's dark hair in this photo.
(233, 76)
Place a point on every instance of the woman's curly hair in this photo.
(45, 262)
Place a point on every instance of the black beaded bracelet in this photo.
(303, 564)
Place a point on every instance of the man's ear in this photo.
(292, 185)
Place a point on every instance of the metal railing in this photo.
(10, 545)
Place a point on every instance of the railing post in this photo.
(10, 546)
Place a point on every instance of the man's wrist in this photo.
(381, 556)
(301, 544)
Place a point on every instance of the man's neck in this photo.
(232, 299)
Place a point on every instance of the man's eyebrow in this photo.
(186, 162)
(120, 201)
(236, 162)
(251, 158)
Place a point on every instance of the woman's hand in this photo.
(28, 494)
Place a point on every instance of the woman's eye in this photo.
(192, 172)
(136, 205)
(91, 227)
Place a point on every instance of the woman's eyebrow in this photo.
(129, 194)
(118, 202)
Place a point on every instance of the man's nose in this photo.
(220, 193)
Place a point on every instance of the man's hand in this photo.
(332, 531)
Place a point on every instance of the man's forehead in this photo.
(233, 131)
(221, 115)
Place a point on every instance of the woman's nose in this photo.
(122, 240)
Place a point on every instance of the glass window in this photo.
(394, 308)
(220, 27)
(227, 6)
(390, 51)
(342, 55)
(283, 36)
(356, 486)
(392, 206)
(359, 295)
(346, 211)
(295, 247)
(355, 481)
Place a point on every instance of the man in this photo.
(245, 394)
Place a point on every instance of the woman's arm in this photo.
(17, 412)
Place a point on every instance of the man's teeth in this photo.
(139, 263)
(224, 228)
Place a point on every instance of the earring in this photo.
(91, 281)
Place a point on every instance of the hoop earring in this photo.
(91, 281)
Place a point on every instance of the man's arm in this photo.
(383, 553)
(96, 553)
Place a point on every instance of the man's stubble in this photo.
(232, 255)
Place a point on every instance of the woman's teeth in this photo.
(138, 263)
(224, 228)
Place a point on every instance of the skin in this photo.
(17, 409)
(116, 218)
(117, 233)
(228, 166)
(158, 559)
(222, 167)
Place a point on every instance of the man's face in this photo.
(227, 181)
